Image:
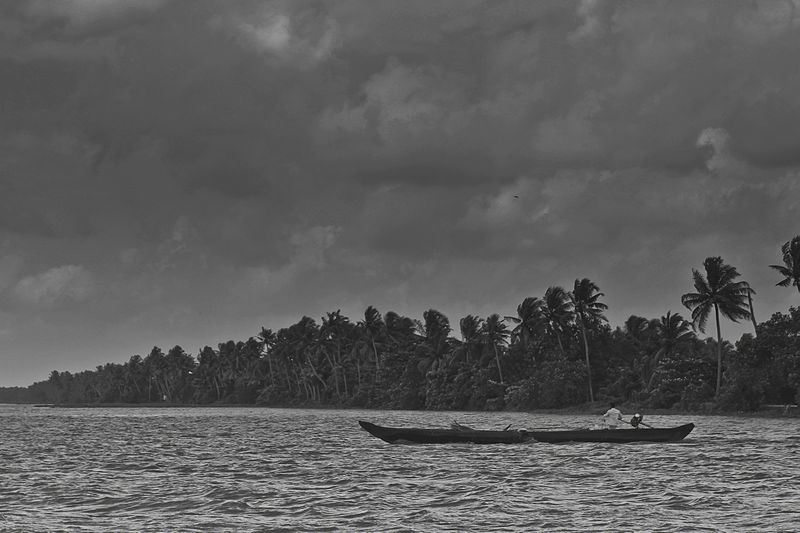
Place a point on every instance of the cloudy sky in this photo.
(187, 171)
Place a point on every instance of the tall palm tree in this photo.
(332, 333)
(268, 339)
(717, 291)
(399, 328)
(471, 328)
(528, 321)
(496, 334)
(588, 310)
(372, 327)
(303, 343)
(435, 331)
(557, 312)
(791, 267)
(670, 332)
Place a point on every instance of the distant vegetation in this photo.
(558, 350)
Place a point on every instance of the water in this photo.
(235, 469)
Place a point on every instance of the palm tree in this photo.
(471, 328)
(372, 328)
(557, 311)
(588, 311)
(637, 329)
(717, 291)
(791, 267)
(303, 345)
(399, 329)
(670, 331)
(268, 339)
(496, 334)
(333, 331)
(528, 320)
(435, 331)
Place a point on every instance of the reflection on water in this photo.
(235, 469)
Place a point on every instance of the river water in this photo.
(253, 470)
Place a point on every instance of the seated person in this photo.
(612, 417)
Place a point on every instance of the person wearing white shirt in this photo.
(612, 417)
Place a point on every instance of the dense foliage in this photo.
(557, 351)
(392, 361)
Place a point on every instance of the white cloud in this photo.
(59, 285)
(716, 141)
(409, 108)
(273, 35)
(302, 40)
(595, 20)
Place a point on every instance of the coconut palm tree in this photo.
(791, 267)
(332, 333)
(372, 328)
(670, 332)
(435, 331)
(471, 328)
(528, 321)
(588, 311)
(496, 334)
(267, 337)
(399, 329)
(637, 328)
(717, 290)
(557, 312)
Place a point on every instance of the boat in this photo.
(615, 435)
(460, 433)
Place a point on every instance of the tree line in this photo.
(557, 350)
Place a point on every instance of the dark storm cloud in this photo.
(178, 171)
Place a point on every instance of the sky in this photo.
(185, 172)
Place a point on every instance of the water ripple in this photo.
(259, 470)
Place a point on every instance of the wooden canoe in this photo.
(615, 435)
(479, 436)
(438, 436)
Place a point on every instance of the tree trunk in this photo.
(752, 314)
(316, 374)
(560, 345)
(269, 364)
(719, 354)
(497, 359)
(588, 365)
(333, 364)
(375, 351)
(344, 370)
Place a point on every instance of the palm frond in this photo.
(700, 316)
(782, 269)
(700, 284)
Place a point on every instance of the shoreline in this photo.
(767, 411)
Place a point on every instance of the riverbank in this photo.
(768, 411)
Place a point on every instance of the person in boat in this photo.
(612, 417)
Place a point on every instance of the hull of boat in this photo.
(476, 436)
(615, 435)
(439, 436)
